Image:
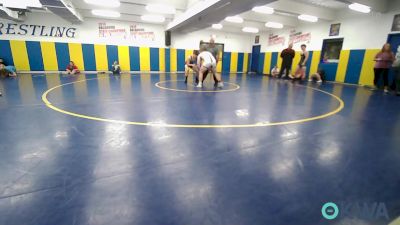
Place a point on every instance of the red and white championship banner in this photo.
(141, 34)
(111, 31)
(276, 40)
(299, 37)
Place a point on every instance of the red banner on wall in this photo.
(106, 31)
(276, 40)
(139, 33)
(298, 37)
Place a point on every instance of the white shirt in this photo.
(207, 57)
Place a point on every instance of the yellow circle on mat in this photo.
(154, 124)
(236, 87)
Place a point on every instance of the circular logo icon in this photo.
(330, 211)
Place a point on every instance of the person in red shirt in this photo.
(72, 68)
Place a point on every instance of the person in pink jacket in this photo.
(383, 62)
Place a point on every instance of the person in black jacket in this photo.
(287, 56)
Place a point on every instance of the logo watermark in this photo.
(361, 210)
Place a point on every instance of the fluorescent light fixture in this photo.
(234, 19)
(106, 13)
(274, 25)
(263, 9)
(217, 26)
(105, 3)
(153, 18)
(160, 8)
(21, 4)
(360, 8)
(250, 29)
(308, 18)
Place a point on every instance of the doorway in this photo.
(255, 55)
(394, 41)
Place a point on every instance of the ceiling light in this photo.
(263, 9)
(308, 18)
(153, 18)
(234, 19)
(217, 26)
(106, 13)
(360, 8)
(21, 4)
(250, 29)
(274, 25)
(160, 8)
(105, 3)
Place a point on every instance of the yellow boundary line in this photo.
(152, 124)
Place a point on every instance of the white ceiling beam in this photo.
(293, 7)
(128, 9)
(289, 21)
(11, 15)
(381, 6)
(206, 13)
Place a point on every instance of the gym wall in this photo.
(354, 66)
(44, 50)
(55, 56)
(364, 36)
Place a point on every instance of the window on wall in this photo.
(331, 49)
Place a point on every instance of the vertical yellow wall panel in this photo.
(296, 61)
(20, 55)
(49, 56)
(342, 66)
(173, 60)
(144, 54)
(267, 63)
(279, 61)
(219, 65)
(315, 62)
(123, 57)
(245, 62)
(100, 52)
(234, 62)
(188, 53)
(76, 55)
(367, 70)
(161, 55)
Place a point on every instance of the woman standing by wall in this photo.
(383, 62)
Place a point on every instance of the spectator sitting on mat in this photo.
(72, 68)
(275, 71)
(116, 68)
(319, 76)
(7, 71)
(2, 61)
